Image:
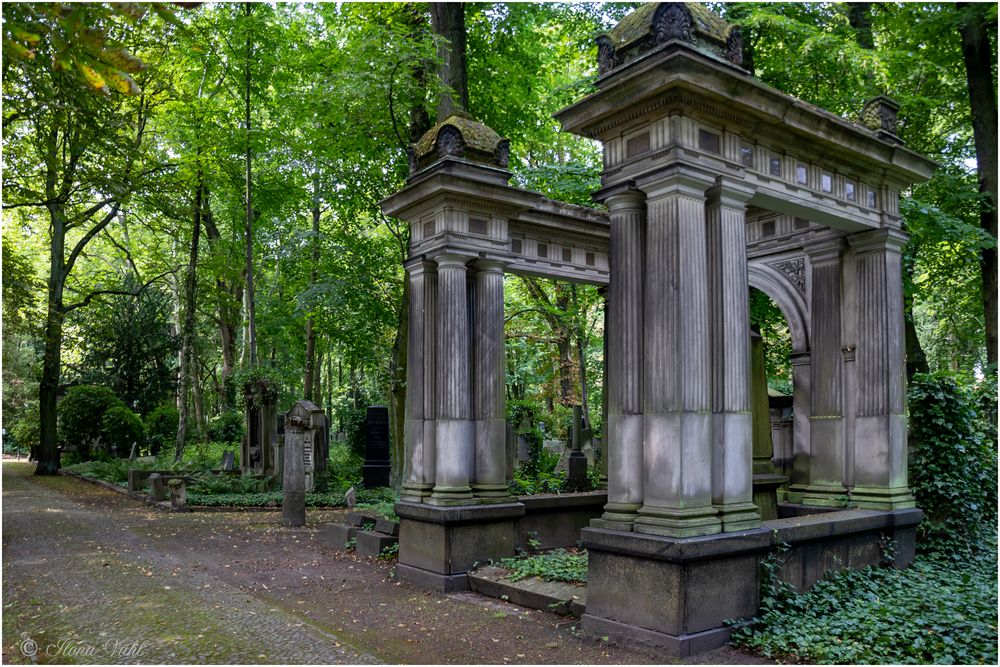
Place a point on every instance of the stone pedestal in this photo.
(439, 545)
(293, 506)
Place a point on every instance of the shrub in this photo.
(225, 427)
(25, 433)
(80, 413)
(161, 428)
(556, 565)
(343, 468)
(953, 471)
(120, 428)
(109, 470)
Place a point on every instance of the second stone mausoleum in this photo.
(713, 183)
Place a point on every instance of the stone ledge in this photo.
(563, 501)
(680, 646)
(793, 530)
(554, 596)
(443, 583)
(460, 514)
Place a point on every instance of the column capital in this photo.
(729, 191)
(486, 265)
(677, 179)
(824, 250)
(620, 195)
(419, 265)
(875, 240)
(451, 260)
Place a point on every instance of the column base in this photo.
(821, 495)
(766, 494)
(491, 493)
(451, 496)
(618, 516)
(415, 493)
(670, 522)
(882, 498)
(738, 516)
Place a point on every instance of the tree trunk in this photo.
(448, 21)
(979, 59)
(48, 388)
(581, 354)
(397, 391)
(307, 381)
(248, 158)
(859, 15)
(187, 334)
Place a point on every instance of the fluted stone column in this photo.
(491, 428)
(418, 441)
(801, 425)
(826, 456)
(732, 422)
(624, 381)
(880, 477)
(455, 433)
(677, 402)
(603, 484)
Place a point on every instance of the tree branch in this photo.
(81, 244)
(105, 292)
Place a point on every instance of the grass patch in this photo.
(936, 611)
(556, 565)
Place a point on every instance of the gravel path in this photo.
(90, 576)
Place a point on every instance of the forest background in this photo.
(190, 195)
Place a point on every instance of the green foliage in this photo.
(929, 613)
(225, 484)
(260, 499)
(343, 468)
(80, 414)
(120, 429)
(556, 565)
(953, 468)
(226, 426)
(773, 328)
(108, 470)
(161, 428)
(390, 552)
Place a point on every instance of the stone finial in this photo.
(689, 24)
(881, 115)
(462, 137)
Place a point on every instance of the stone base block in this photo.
(765, 494)
(449, 541)
(371, 543)
(442, 583)
(338, 534)
(677, 646)
(387, 527)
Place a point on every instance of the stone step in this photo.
(371, 543)
(337, 535)
(359, 519)
(387, 526)
(558, 597)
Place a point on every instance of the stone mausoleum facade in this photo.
(713, 183)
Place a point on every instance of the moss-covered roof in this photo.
(475, 135)
(638, 24)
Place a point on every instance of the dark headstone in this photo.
(228, 460)
(157, 492)
(375, 472)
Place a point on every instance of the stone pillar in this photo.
(603, 484)
(293, 507)
(677, 401)
(732, 423)
(826, 456)
(624, 361)
(419, 435)
(880, 478)
(455, 432)
(491, 428)
(798, 470)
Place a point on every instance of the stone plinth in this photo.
(439, 545)
(692, 586)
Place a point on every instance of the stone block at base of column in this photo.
(492, 493)
(415, 493)
(738, 516)
(451, 496)
(882, 498)
(821, 495)
(442, 583)
(618, 516)
(766, 494)
(449, 541)
(681, 646)
(671, 522)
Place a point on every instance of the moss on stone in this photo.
(476, 136)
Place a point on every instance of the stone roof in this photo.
(656, 23)
(459, 135)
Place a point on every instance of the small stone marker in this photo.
(351, 497)
(228, 460)
(157, 492)
(135, 452)
(576, 478)
(178, 493)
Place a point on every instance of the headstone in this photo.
(258, 449)
(228, 460)
(157, 492)
(351, 497)
(135, 451)
(375, 472)
(302, 423)
(576, 477)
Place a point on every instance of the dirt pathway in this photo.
(92, 577)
